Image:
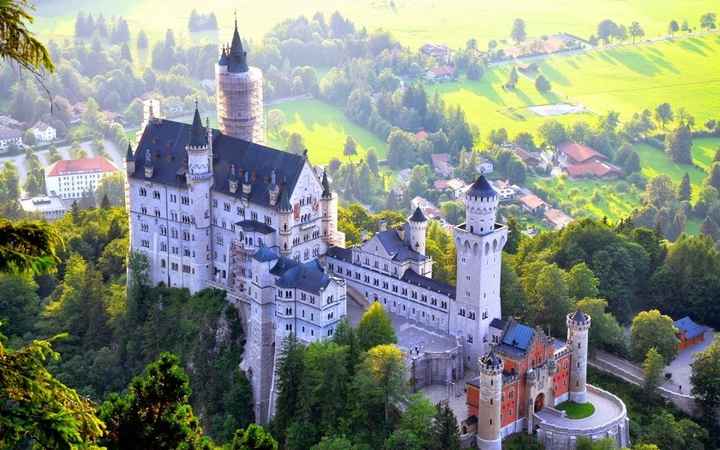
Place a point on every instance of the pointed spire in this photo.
(129, 156)
(237, 57)
(418, 216)
(326, 193)
(198, 137)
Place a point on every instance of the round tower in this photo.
(239, 94)
(578, 326)
(481, 203)
(417, 224)
(490, 402)
(200, 181)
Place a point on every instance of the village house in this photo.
(556, 218)
(9, 122)
(441, 164)
(531, 159)
(441, 73)
(440, 52)
(581, 161)
(427, 207)
(455, 186)
(9, 137)
(532, 203)
(71, 179)
(43, 132)
(689, 333)
(49, 207)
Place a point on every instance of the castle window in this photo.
(157, 212)
(173, 198)
(144, 227)
(185, 200)
(470, 339)
(143, 192)
(226, 206)
(162, 263)
(143, 210)
(163, 247)
(214, 203)
(253, 215)
(268, 220)
(145, 243)
(240, 211)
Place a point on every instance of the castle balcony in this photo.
(200, 177)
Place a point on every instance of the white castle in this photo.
(216, 208)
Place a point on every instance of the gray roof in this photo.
(265, 254)
(236, 58)
(481, 188)
(579, 316)
(167, 139)
(418, 216)
(309, 277)
(517, 339)
(412, 277)
(198, 134)
(497, 324)
(397, 248)
(343, 254)
(491, 360)
(254, 226)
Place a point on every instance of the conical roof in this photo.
(198, 136)
(284, 203)
(129, 156)
(418, 216)
(579, 317)
(481, 188)
(237, 57)
(491, 360)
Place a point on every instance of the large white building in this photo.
(210, 208)
(73, 178)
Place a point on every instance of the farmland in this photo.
(626, 79)
(414, 22)
(324, 129)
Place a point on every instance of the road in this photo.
(18, 161)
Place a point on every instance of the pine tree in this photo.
(710, 228)
(713, 178)
(685, 188)
(652, 369)
(105, 202)
(678, 145)
(445, 432)
(289, 375)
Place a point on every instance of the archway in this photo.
(539, 402)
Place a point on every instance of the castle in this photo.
(216, 208)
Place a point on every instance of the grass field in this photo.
(324, 129)
(655, 162)
(626, 80)
(414, 22)
(576, 410)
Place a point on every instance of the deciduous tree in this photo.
(653, 329)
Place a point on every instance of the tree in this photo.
(664, 114)
(414, 430)
(584, 443)
(296, 144)
(27, 246)
(155, 412)
(552, 133)
(713, 178)
(445, 434)
(668, 433)
(653, 366)
(350, 148)
(652, 329)
(660, 192)
(673, 27)
(708, 21)
(512, 79)
(372, 161)
(582, 282)
(542, 84)
(605, 332)
(19, 44)
(685, 188)
(518, 33)
(112, 187)
(607, 29)
(378, 386)
(36, 408)
(289, 375)
(636, 31)
(705, 376)
(276, 120)
(254, 437)
(678, 145)
(375, 328)
(547, 293)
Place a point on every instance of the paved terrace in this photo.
(606, 410)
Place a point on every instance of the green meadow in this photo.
(625, 79)
(324, 129)
(414, 22)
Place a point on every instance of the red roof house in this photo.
(95, 164)
(575, 153)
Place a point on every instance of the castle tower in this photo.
(417, 229)
(328, 205)
(578, 326)
(200, 181)
(285, 210)
(490, 402)
(239, 94)
(479, 242)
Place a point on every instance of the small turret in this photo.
(490, 401)
(198, 135)
(237, 56)
(578, 327)
(326, 192)
(246, 185)
(149, 168)
(274, 188)
(417, 224)
(284, 205)
(223, 61)
(130, 161)
(233, 180)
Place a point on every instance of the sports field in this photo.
(414, 22)
(324, 129)
(626, 80)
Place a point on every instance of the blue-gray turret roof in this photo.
(418, 216)
(326, 192)
(198, 134)
(237, 57)
(579, 317)
(223, 57)
(129, 156)
(481, 188)
(491, 360)
(284, 203)
(265, 254)
(309, 277)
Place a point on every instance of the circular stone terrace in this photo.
(555, 430)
